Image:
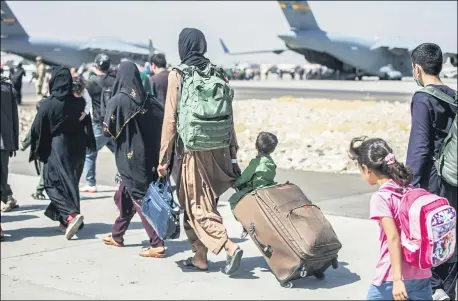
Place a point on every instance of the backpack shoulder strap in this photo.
(440, 95)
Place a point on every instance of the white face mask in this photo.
(417, 81)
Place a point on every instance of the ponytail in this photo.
(378, 156)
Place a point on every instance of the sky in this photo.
(243, 25)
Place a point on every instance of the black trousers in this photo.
(5, 189)
(18, 94)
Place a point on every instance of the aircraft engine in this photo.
(453, 61)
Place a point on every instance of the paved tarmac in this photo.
(37, 262)
(328, 89)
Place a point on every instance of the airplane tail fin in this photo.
(225, 49)
(10, 24)
(299, 15)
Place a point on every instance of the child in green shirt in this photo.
(260, 172)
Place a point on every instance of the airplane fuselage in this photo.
(345, 53)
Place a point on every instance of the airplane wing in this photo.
(114, 47)
(226, 50)
(397, 47)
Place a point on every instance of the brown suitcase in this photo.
(292, 234)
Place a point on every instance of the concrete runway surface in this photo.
(343, 90)
(38, 263)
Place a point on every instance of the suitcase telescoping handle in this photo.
(265, 249)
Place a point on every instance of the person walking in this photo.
(16, 77)
(134, 120)
(432, 119)
(99, 88)
(59, 139)
(9, 140)
(160, 79)
(206, 174)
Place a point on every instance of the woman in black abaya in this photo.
(134, 119)
(59, 139)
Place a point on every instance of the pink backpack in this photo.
(428, 228)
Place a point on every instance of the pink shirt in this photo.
(386, 204)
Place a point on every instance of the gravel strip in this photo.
(313, 134)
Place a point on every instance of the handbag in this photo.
(160, 209)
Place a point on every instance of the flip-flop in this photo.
(233, 262)
(189, 265)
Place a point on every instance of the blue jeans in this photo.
(419, 289)
(91, 157)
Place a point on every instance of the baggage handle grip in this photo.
(265, 249)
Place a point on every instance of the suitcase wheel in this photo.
(319, 276)
(335, 264)
(287, 284)
(303, 274)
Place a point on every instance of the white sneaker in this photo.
(88, 188)
(441, 295)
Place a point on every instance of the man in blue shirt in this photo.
(431, 121)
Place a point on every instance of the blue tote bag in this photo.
(160, 210)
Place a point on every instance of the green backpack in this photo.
(446, 161)
(204, 108)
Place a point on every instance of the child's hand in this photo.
(82, 116)
(399, 290)
(237, 169)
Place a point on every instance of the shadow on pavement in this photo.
(334, 278)
(182, 246)
(32, 208)
(16, 218)
(91, 230)
(19, 234)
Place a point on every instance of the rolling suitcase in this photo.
(292, 234)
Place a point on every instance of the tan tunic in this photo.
(205, 175)
(41, 73)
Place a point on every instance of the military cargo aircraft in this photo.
(347, 55)
(14, 39)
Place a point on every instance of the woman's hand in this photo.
(399, 290)
(162, 169)
(82, 116)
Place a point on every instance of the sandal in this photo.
(38, 196)
(109, 241)
(189, 265)
(11, 204)
(233, 262)
(158, 252)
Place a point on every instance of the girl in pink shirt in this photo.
(394, 279)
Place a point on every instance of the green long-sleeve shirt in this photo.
(260, 172)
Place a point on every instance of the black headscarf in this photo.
(128, 81)
(192, 46)
(61, 83)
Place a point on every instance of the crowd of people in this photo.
(138, 118)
